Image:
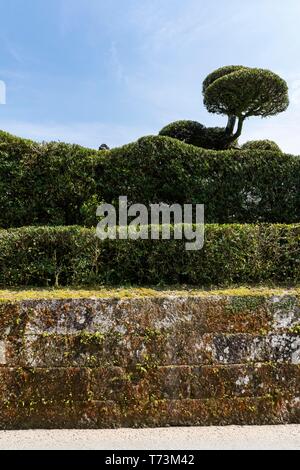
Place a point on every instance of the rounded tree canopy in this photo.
(261, 145)
(244, 92)
(219, 73)
(186, 131)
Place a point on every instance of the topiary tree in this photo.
(194, 133)
(215, 138)
(187, 131)
(241, 92)
(261, 145)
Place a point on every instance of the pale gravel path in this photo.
(200, 438)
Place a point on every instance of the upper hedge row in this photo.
(47, 256)
(61, 184)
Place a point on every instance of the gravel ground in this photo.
(196, 438)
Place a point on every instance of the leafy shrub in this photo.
(215, 138)
(261, 145)
(47, 256)
(194, 133)
(61, 184)
(189, 132)
(219, 73)
(235, 186)
(44, 183)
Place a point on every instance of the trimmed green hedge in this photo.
(236, 186)
(61, 184)
(47, 256)
(194, 133)
(44, 183)
(189, 132)
(261, 145)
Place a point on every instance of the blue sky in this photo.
(94, 71)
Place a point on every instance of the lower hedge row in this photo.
(48, 256)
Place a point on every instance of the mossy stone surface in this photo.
(149, 358)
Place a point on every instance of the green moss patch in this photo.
(244, 294)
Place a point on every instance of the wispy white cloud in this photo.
(15, 51)
(16, 54)
(115, 63)
(164, 27)
(154, 55)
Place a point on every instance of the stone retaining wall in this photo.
(153, 361)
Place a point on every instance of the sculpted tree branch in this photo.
(241, 92)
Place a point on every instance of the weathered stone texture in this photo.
(150, 361)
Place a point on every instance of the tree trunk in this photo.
(238, 132)
(230, 125)
(239, 128)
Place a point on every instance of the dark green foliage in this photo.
(261, 145)
(47, 256)
(246, 92)
(44, 183)
(215, 138)
(190, 132)
(13, 139)
(235, 186)
(237, 92)
(194, 133)
(219, 73)
(240, 92)
(60, 184)
(44, 256)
